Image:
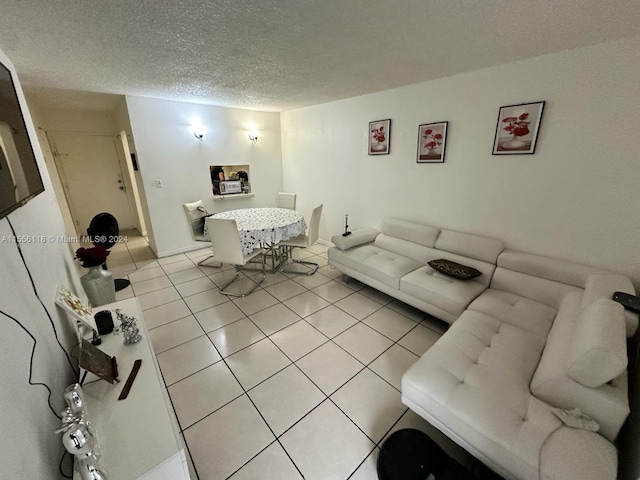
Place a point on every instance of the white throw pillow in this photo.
(598, 350)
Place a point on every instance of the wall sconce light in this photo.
(253, 136)
(199, 131)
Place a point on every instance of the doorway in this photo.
(92, 178)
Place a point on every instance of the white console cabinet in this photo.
(139, 435)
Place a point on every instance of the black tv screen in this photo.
(19, 175)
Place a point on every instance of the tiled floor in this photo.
(300, 379)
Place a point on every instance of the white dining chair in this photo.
(303, 241)
(196, 213)
(286, 200)
(227, 248)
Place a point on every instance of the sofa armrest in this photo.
(357, 237)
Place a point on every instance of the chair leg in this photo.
(213, 266)
(242, 295)
(312, 266)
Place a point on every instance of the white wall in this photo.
(576, 198)
(28, 447)
(167, 150)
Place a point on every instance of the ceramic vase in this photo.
(99, 286)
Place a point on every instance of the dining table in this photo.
(265, 227)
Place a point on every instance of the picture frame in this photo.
(432, 139)
(78, 311)
(517, 129)
(379, 137)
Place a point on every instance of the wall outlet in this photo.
(159, 183)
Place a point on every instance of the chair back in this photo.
(287, 200)
(225, 240)
(314, 227)
(196, 214)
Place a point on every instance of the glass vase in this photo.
(99, 286)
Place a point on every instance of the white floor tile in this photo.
(329, 367)
(375, 418)
(285, 289)
(235, 336)
(175, 333)
(332, 291)
(390, 323)
(331, 321)
(285, 398)
(298, 339)
(202, 393)
(257, 362)
(274, 318)
(181, 361)
(363, 342)
(271, 464)
(306, 303)
(203, 300)
(224, 441)
(163, 314)
(146, 274)
(173, 267)
(151, 285)
(419, 340)
(158, 297)
(186, 275)
(369, 468)
(198, 285)
(219, 316)
(358, 306)
(392, 364)
(258, 300)
(326, 445)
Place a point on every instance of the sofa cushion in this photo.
(529, 315)
(608, 404)
(468, 245)
(357, 237)
(453, 269)
(598, 351)
(382, 265)
(442, 291)
(410, 231)
(604, 286)
(475, 381)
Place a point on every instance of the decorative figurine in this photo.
(78, 435)
(129, 328)
(346, 225)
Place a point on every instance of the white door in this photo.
(92, 178)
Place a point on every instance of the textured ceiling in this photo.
(278, 55)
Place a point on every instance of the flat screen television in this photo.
(20, 178)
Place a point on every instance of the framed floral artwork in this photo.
(517, 129)
(431, 142)
(379, 137)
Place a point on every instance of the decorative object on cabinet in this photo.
(80, 312)
(379, 137)
(431, 142)
(79, 437)
(517, 129)
(129, 328)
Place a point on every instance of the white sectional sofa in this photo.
(530, 335)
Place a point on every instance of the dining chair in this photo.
(286, 200)
(196, 213)
(227, 248)
(304, 241)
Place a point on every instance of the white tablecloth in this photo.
(264, 225)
